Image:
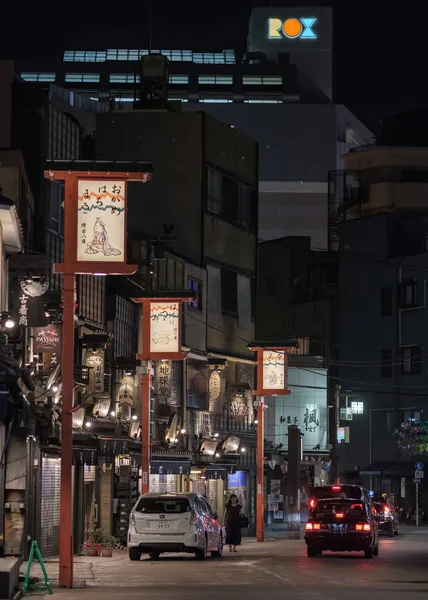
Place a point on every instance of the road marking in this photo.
(277, 576)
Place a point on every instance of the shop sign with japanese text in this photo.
(164, 327)
(94, 359)
(101, 221)
(163, 380)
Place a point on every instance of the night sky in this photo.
(380, 50)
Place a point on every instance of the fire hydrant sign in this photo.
(101, 221)
(164, 327)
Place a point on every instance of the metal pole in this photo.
(260, 470)
(145, 429)
(67, 365)
(417, 504)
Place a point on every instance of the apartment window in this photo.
(411, 360)
(410, 415)
(41, 77)
(179, 79)
(408, 294)
(271, 286)
(214, 191)
(124, 78)
(386, 301)
(196, 286)
(229, 291)
(266, 80)
(215, 79)
(247, 202)
(386, 366)
(82, 77)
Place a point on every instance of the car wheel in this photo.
(202, 554)
(134, 554)
(311, 551)
(369, 553)
(154, 555)
(218, 553)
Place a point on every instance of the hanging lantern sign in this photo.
(101, 222)
(272, 372)
(164, 327)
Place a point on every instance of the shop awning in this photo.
(11, 226)
(405, 469)
(376, 468)
(213, 472)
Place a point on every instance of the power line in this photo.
(392, 385)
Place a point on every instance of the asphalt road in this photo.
(279, 569)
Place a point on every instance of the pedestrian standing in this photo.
(232, 518)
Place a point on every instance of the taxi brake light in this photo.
(309, 526)
(336, 487)
(317, 526)
(363, 527)
(339, 515)
(312, 502)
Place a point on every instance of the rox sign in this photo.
(292, 28)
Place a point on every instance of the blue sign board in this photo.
(419, 466)
(237, 480)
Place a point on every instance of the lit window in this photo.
(215, 100)
(215, 79)
(196, 286)
(82, 77)
(45, 77)
(252, 80)
(357, 408)
(262, 102)
(124, 78)
(179, 79)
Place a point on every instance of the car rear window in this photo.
(338, 492)
(163, 505)
(331, 509)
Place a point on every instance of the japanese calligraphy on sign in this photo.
(163, 380)
(102, 404)
(27, 299)
(310, 420)
(239, 408)
(164, 327)
(273, 370)
(95, 361)
(101, 221)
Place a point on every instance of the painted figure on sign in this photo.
(99, 243)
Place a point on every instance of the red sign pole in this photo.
(265, 374)
(70, 268)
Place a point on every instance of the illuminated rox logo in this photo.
(292, 28)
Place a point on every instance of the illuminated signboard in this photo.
(292, 28)
(164, 327)
(273, 370)
(101, 221)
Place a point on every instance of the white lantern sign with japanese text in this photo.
(273, 370)
(101, 221)
(164, 327)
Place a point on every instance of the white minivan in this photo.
(162, 523)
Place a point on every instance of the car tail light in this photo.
(339, 515)
(313, 526)
(363, 527)
(336, 488)
(193, 519)
(317, 526)
(132, 519)
(309, 526)
(312, 502)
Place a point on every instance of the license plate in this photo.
(163, 525)
(338, 529)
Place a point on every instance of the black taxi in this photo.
(342, 525)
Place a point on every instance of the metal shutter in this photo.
(51, 487)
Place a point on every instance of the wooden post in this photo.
(145, 430)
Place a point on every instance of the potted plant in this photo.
(92, 546)
(107, 544)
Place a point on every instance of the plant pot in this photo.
(91, 552)
(107, 552)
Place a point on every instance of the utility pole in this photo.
(336, 400)
(260, 406)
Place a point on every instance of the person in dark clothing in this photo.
(232, 519)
